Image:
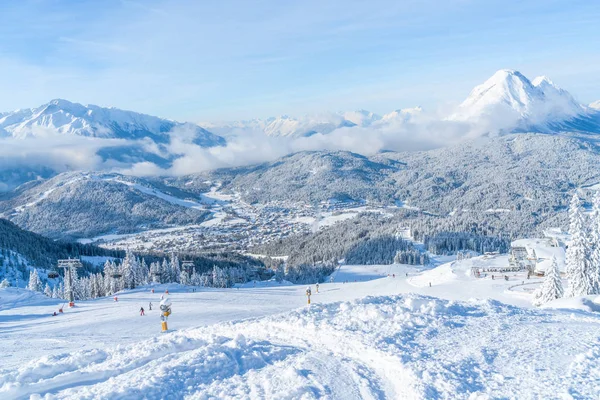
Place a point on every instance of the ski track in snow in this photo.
(343, 346)
(408, 346)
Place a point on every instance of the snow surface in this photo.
(364, 336)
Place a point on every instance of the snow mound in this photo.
(408, 347)
(582, 303)
(13, 297)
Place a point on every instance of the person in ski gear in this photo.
(308, 293)
(150, 306)
(141, 311)
(317, 287)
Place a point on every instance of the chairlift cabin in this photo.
(187, 266)
(52, 274)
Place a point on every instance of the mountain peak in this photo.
(65, 117)
(510, 99)
(60, 102)
(543, 81)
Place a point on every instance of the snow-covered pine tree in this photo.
(551, 287)
(108, 279)
(165, 272)
(35, 284)
(127, 270)
(195, 279)
(142, 273)
(184, 278)
(47, 290)
(154, 272)
(4, 284)
(578, 264)
(594, 238)
(94, 287)
(175, 268)
(60, 291)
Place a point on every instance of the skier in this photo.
(150, 306)
(162, 296)
(142, 311)
(308, 293)
(116, 299)
(317, 287)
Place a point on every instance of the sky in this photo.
(239, 59)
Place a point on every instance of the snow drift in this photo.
(407, 347)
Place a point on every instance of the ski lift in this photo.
(116, 274)
(52, 274)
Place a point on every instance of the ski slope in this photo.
(365, 335)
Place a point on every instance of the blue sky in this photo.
(226, 60)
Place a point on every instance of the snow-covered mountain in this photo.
(68, 118)
(508, 101)
(361, 117)
(82, 204)
(401, 115)
(308, 125)
(287, 126)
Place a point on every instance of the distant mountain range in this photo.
(508, 98)
(66, 118)
(507, 102)
(529, 173)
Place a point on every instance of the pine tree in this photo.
(595, 245)
(127, 270)
(551, 287)
(60, 291)
(578, 264)
(165, 272)
(4, 284)
(195, 279)
(184, 278)
(142, 273)
(34, 281)
(47, 290)
(175, 269)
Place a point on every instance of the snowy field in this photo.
(366, 335)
